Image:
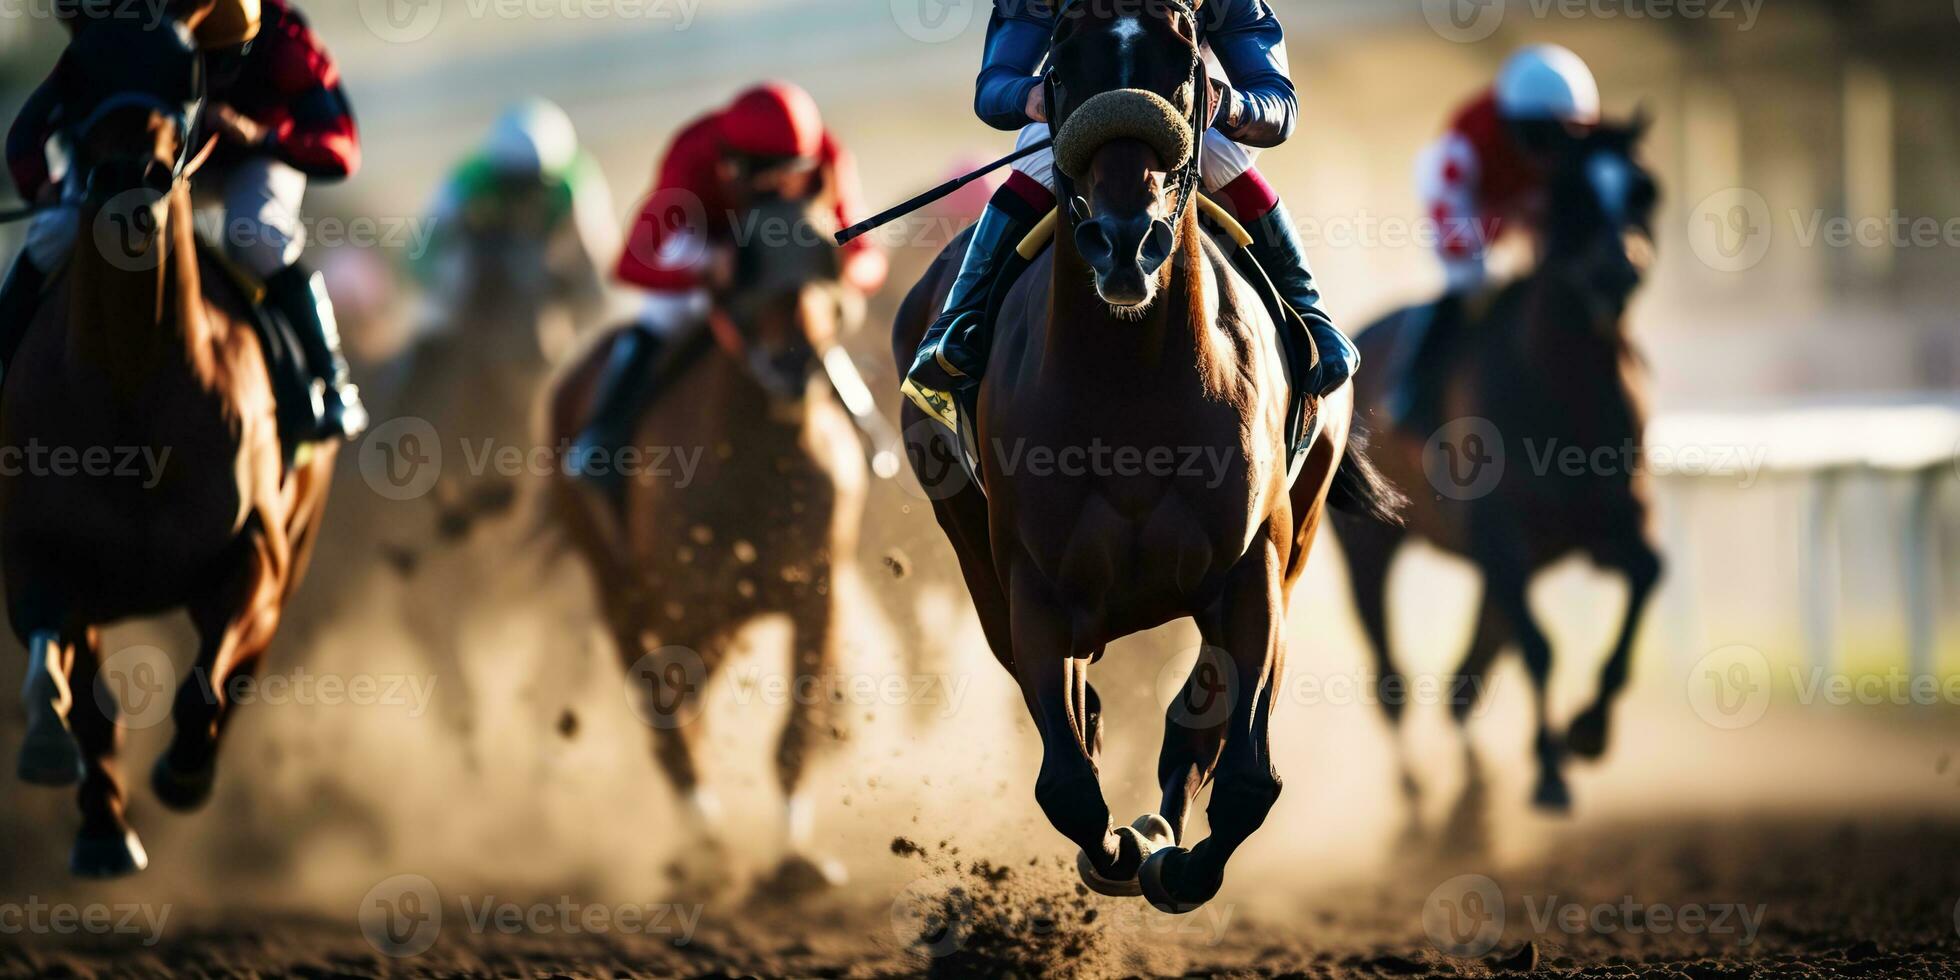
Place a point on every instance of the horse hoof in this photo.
(1148, 833)
(107, 856)
(1587, 736)
(182, 790)
(1552, 797)
(1158, 880)
(50, 756)
(802, 874)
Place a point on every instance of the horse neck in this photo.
(1583, 364)
(139, 317)
(1175, 330)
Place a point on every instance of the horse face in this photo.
(1600, 238)
(786, 301)
(129, 91)
(1142, 52)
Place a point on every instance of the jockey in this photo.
(529, 180)
(769, 143)
(274, 99)
(1256, 109)
(1483, 178)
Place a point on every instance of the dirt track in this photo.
(1835, 898)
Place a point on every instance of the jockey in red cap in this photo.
(769, 142)
(275, 102)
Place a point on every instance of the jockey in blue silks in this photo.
(1256, 109)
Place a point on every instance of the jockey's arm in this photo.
(590, 232)
(27, 142)
(1010, 67)
(865, 266)
(1258, 106)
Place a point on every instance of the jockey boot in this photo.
(1416, 402)
(300, 295)
(625, 389)
(19, 298)
(1277, 247)
(954, 349)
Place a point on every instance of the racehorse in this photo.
(142, 350)
(1135, 335)
(756, 523)
(1545, 369)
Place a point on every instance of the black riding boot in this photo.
(625, 389)
(19, 298)
(1277, 247)
(300, 294)
(1416, 404)
(954, 350)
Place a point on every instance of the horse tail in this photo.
(1359, 487)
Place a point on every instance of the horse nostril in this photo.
(1156, 247)
(1092, 241)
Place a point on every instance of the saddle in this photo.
(1303, 420)
(285, 362)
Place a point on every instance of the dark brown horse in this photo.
(139, 352)
(1545, 371)
(1135, 462)
(745, 500)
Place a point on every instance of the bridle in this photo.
(1198, 78)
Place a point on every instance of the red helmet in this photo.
(775, 119)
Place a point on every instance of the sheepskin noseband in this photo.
(1129, 113)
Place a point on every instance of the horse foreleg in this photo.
(1487, 640)
(105, 847)
(1641, 564)
(1506, 582)
(1052, 677)
(235, 623)
(812, 724)
(669, 683)
(49, 755)
(1245, 626)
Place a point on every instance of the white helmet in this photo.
(531, 138)
(1547, 82)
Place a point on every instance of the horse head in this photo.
(132, 91)
(1599, 223)
(786, 303)
(1126, 88)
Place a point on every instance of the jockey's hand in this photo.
(1038, 103)
(865, 270)
(236, 126)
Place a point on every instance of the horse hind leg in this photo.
(1586, 736)
(49, 755)
(1245, 626)
(105, 846)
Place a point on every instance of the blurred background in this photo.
(1800, 330)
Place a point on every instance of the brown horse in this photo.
(745, 500)
(1141, 359)
(1546, 370)
(142, 354)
